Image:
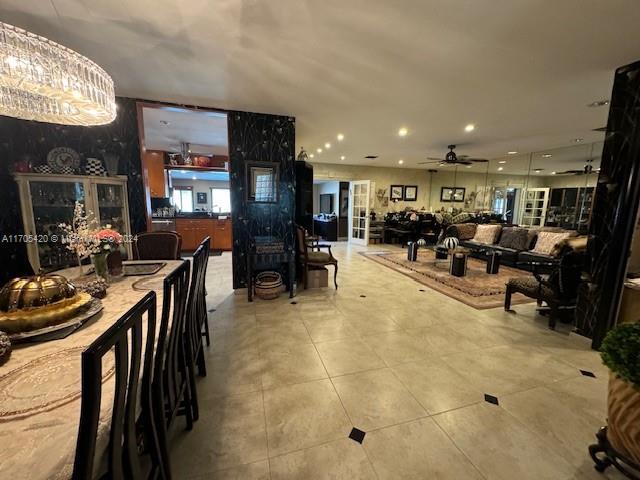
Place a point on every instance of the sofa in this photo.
(520, 247)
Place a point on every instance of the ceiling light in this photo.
(340, 137)
(500, 169)
(470, 128)
(598, 103)
(319, 150)
(577, 140)
(44, 81)
(502, 161)
(553, 173)
(342, 157)
(183, 171)
(311, 155)
(512, 152)
(403, 132)
(400, 161)
(546, 155)
(538, 170)
(193, 178)
(468, 166)
(327, 145)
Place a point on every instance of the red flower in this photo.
(109, 235)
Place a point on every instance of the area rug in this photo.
(477, 288)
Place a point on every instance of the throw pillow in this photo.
(515, 238)
(466, 231)
(487, 234)
(548, 240)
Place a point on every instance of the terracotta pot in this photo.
(623, 424)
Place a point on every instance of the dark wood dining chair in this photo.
(197, 323)
(125, 338)
(171, 388)
(310, 255)
(157, 246)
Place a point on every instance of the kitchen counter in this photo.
(203, 216)
(195, 229)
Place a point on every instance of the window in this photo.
(183, 199)
(221, 200)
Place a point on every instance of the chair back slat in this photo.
(196, 304)
(124, 338)
(158, 246)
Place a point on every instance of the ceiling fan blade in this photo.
(477, 160)
(431, 161)
(435, 159)
(571, 172)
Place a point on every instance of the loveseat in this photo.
(519, 246)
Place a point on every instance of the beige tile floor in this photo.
(287, 383)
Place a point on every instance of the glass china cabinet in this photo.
(48, 200)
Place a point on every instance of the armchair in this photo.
(311, 255)
(554, 283)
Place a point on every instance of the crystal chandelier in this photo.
(44, 81)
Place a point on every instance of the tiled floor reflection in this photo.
(406, 365)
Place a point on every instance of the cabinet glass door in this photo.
(53, 203)
(111, 206)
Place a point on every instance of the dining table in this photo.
(40, 387)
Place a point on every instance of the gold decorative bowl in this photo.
(33, 292)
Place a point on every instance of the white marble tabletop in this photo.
(40, 389)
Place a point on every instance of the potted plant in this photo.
(621, 353)
(106, 259)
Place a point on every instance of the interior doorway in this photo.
(359, 209)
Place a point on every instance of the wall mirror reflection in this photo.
(262, 182)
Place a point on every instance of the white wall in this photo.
(429, 185)
(323, 188)
(203, 186)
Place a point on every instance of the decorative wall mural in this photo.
(28, 143)
(256, 137)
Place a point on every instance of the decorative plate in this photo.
(63, 159)
(60, 330)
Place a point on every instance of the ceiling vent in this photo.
(371, 156)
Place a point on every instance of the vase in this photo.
(623, 408)
(99, 261)
(114, 263)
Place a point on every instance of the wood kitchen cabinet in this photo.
(222, 238)
(194, 230)
(154, 164)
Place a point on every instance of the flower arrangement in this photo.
(109, 239)
(79, 236)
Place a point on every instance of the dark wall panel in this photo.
(615, 208)
(267, 138)
(33, 140)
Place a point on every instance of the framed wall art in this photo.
(397, 193)
(410, 193)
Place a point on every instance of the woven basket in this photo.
(623, 424)
(268, 285)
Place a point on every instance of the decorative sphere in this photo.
(422, 242)
(450, 243)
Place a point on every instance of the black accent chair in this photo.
(125, 337)
(171, 385)
(197, 326)
(309, 255)
(157, 246)
(554, 283)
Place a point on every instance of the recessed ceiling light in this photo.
(502, 161)
(403, 132)
(400, 161)
(578, 140)
(500, 169)
(319, 150)
(327, 145)
(512, 152)
(340, 137)
(546, 155)
(342, 157)
(468, 166)
(311, 155)
(598, 103)
(193, 178)
(538, 170)
(470, 128)
(553, 173)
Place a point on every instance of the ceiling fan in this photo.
(452, 159)
(586, 170)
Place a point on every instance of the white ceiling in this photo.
(523, 71)
(167, 127)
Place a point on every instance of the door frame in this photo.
(367, 205)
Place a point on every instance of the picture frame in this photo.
(446, 194)
(262, 180)
(458, 194)
(201, 197)
(396, 192)
(410, 193)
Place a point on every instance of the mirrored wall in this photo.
(554, 187)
